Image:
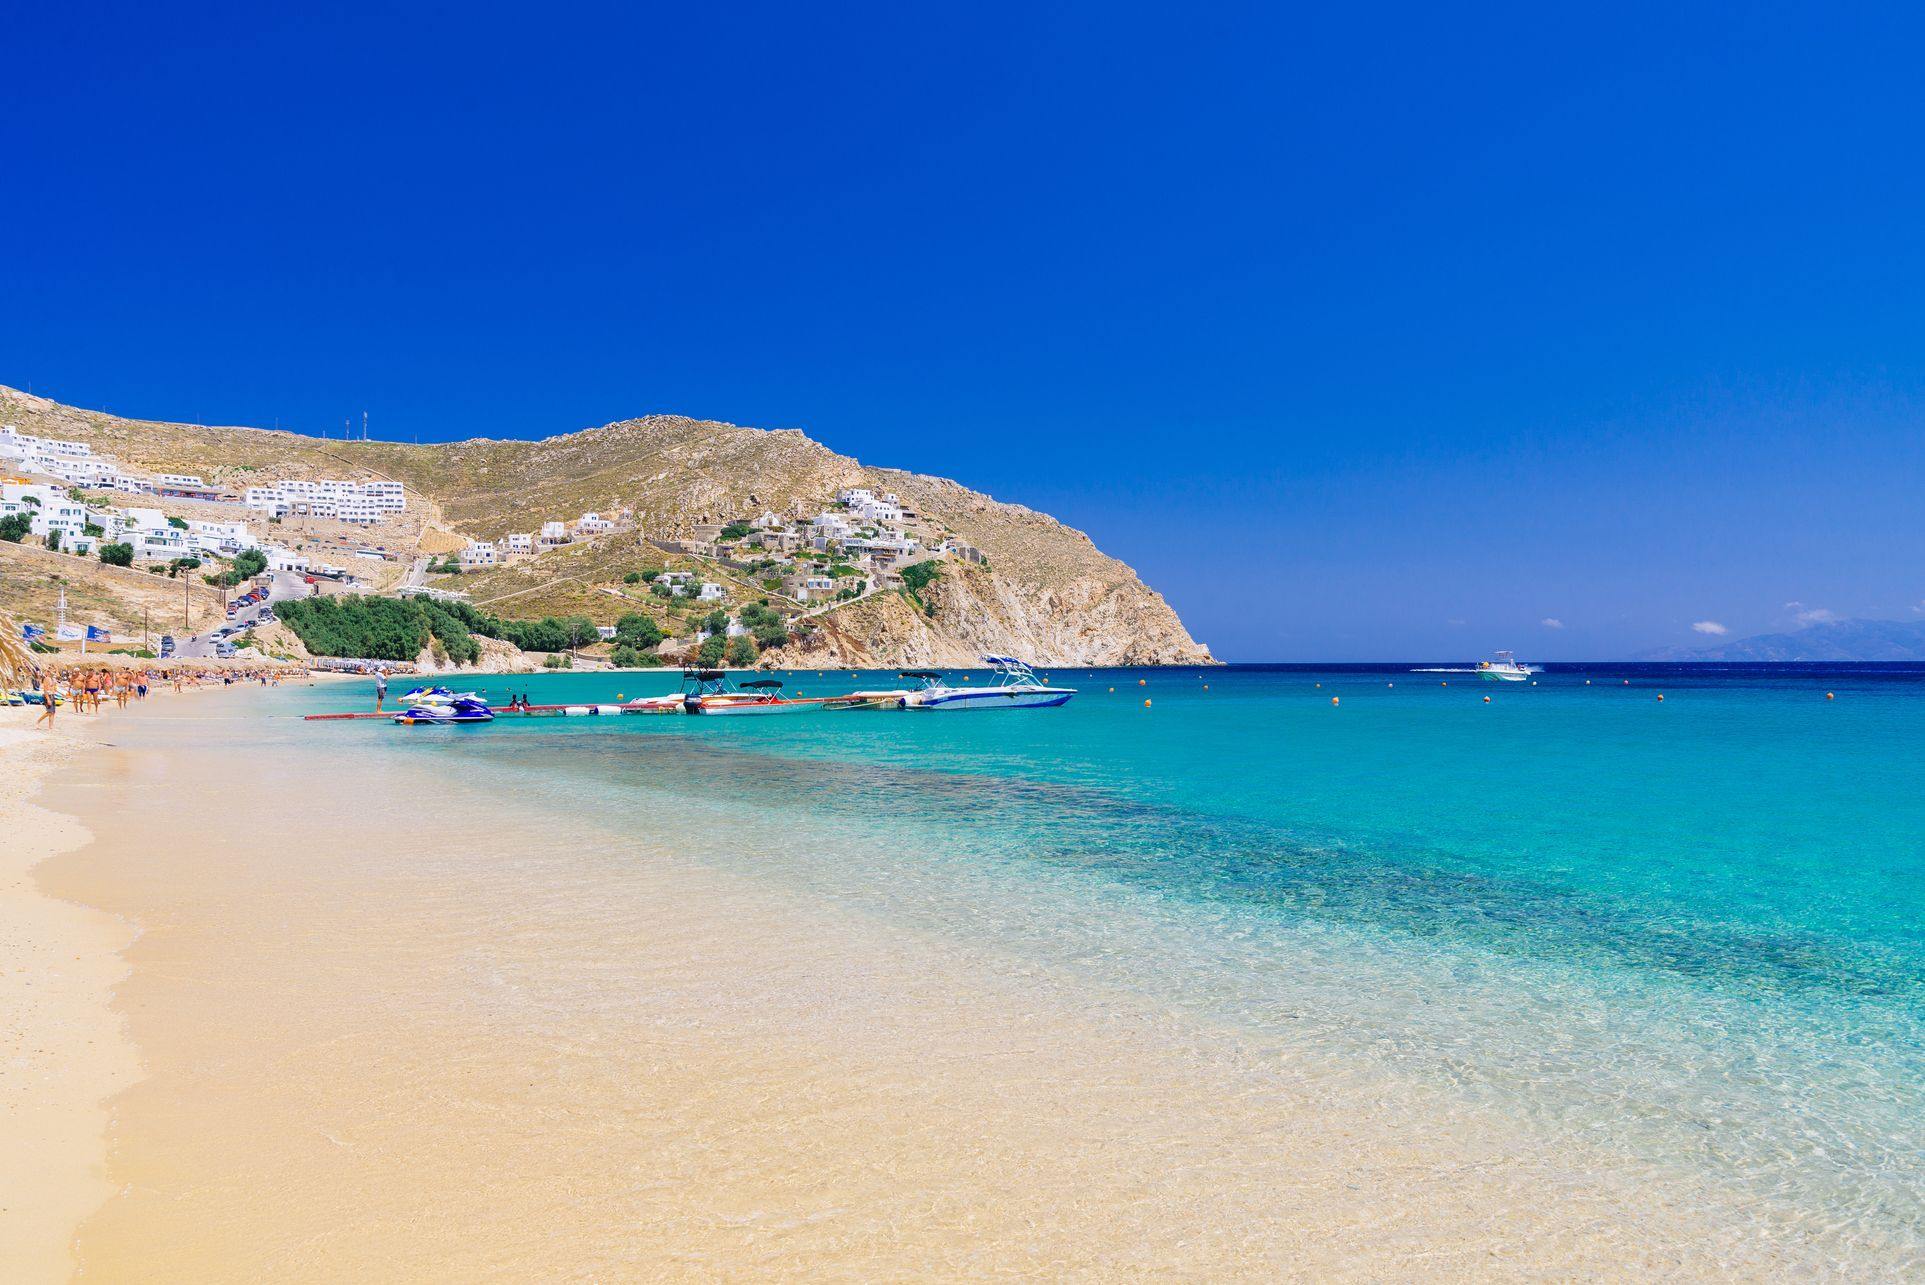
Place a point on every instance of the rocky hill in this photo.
(1047, 593)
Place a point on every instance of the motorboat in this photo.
(917, 681)
(1506, 669)
(1017, 687)
(757, 696)
(695, 682)
(459, 710)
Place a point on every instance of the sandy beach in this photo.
(414, 1058)
(65, 1051)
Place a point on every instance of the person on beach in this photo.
(47, 706)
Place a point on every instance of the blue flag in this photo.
(30, 632)
(96, 634)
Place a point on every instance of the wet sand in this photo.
(483, 1048)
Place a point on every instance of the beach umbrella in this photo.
(17, 665)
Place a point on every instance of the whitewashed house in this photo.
(519, 544)
(593, 524)
(554, 534)
(478, 553)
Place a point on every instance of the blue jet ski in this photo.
(460, 710)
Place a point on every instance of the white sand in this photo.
(62, 1050)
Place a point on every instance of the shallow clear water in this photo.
(1692, 931)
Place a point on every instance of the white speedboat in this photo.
(919, 681)
(1017, 688)
(1506, 669)
(758, 696)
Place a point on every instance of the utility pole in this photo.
(143, 629)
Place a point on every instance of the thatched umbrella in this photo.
(17, 665)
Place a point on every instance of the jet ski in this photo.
(461, 709)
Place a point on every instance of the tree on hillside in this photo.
(716, 622)
(15, 527)
(711, 653)
(250, 563)
(638, 631)
(741, 650)
(117, 555)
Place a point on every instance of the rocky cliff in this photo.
(1047, 594)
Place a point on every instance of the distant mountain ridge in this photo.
(1835, 640)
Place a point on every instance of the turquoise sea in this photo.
(1690, 930)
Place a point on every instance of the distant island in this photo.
(1834, 640)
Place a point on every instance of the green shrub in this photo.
(638, 631)
(15, 527)
(633, 577)
(741, 650)
(712, 650)
(117, 555)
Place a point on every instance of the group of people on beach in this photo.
(85, 688)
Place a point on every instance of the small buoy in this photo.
(1206, 687)
(1587, 682)
(852, 673)
(1533, 681)
(1146, 703)
(1442, 683)
(1830, 697)
(1390, 684)
(1487, 700)
(1627, 682)
(1112, 689)
(1142, 682)
(1320, 684)
(1660, 695)
(1335, 699)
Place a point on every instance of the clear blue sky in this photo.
(1379, 334)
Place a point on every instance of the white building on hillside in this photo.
(519, 544)
(279, 559)
(478, 553)
(221, 539)
(593, 524)
(553, 534)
